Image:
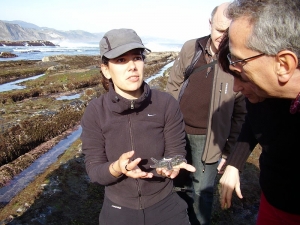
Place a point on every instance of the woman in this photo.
(123, 129)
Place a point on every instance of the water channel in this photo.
(19, 182)
(16, 84)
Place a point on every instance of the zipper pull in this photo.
(132, 104)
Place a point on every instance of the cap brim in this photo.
(122, 49)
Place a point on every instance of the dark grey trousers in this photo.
(170, 211)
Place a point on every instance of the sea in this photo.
(70, 48)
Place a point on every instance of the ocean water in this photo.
(67, 48)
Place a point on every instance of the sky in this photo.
(170, 19)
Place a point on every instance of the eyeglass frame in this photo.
(243, 61)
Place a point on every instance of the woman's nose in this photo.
(131, 63)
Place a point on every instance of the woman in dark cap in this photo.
(126, 127)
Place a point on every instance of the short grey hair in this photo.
(275, 23)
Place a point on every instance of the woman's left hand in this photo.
(175, 170)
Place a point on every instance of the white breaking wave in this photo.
(69, 44)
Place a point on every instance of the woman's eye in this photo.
(120, 60)
(138, 58)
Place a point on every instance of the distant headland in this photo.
(27, 43)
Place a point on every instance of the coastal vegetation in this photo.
(32, 116)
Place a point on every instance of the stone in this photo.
(7, 55)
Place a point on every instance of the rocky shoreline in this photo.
(27, 43)
(65, 74)
(22, 43)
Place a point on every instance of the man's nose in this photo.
(237, 84)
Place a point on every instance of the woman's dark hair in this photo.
(104, 81)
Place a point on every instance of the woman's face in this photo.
(127, 73)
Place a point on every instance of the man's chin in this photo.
(253, 100)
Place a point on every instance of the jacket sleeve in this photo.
(174, 132)
(183, 60)
(237, 120)
(245, 144)
(93, 147)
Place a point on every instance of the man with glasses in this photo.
(262, 53)
(213, 114)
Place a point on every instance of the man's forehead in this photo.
(238, 34)
(220, 20)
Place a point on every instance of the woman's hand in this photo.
(175, 170)
(130, 168)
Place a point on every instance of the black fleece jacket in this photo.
(270, 124)
(151, 125)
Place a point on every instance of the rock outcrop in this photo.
(26, 43)
(7, 55)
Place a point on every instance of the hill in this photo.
(19, 31)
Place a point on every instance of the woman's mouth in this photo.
(133, 78)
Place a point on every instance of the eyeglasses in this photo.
(241, 61)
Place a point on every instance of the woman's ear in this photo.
(287, 64)
(105, 71)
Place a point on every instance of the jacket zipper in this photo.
(220, 91)
(209, 112)
(132, 148)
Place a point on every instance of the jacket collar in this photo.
(120, 104)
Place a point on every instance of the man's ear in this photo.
(210, 24)
(287, 63)
(105, 71)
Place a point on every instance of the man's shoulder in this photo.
(189, 46)
(190, 42)
(193, 41)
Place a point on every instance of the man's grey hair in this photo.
(276, 24)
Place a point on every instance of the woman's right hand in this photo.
(130, 168)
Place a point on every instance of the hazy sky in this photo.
(174, 19)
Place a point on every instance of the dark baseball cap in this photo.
(118, 41)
